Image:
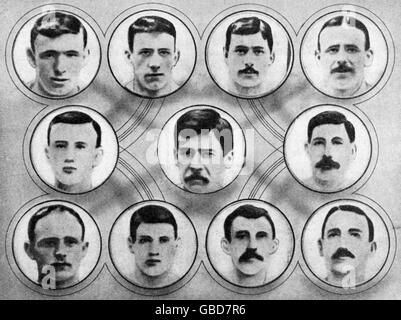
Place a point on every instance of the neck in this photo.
(325, 184)
(249, 280)
(84, 186)
(248, 91)
(345, 280)
(152, 281)
(139, 89)
(349, 92)
(51, 282)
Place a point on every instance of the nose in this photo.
(61, 251)
(154, 62)
(341, 57)
(196, 162)
(252, 243)
(153, 249)
(328, 150)
(60, 64)
(69, 155)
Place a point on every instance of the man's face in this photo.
(58, 63)
(248, 60)
(72, 153)
(153, 59)
(201, 162)
(345, 246)
(330, 152)
(154, 248)
(343, 58)
(58, 244)
(251, 244)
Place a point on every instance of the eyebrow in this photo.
(319, 139)
(241, 232)
(335, 46)
(355, 230)
(334, 230)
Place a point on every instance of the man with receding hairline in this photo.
(58, 53)
(153, 55)
(346, 243)
(248, 53)
(343, 52)
(56, 243)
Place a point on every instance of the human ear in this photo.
(84, 249)
(229, 159)
(31, 57)
(275, 245)
(98, 156)
(225, 52)
(353, 150)
(306, 146)
(128, 56)
(47, 152)
(28, 250)
(368, 58)
(130, 245)
(176, 57)
(373, 247)
(320, 245)
(225, 245)
(317, 54)
(272, 57)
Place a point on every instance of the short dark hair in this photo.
(150, 24)
(353, 209)
(45, 211)
(76, 117)
(331, 117)
(247, 211)
(54, 24)
(151, 214)
(247, 26)
(200, 120)
(351, 21)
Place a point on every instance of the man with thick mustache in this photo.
(346, 243)
(343, 52)
(56, 236)
(154, 242)
(331, 148)
(250, 240)
(248, 53)
(203, 150)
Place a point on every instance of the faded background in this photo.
(264, 177)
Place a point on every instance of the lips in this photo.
(153, 76)
(59, 266)
(69, 170)
(152, 262)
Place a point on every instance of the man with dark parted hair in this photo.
(346, 243)
(153, 55)
(203, 150)
(57, 53)
(56, 236)
(343, 52)
(154, 241)
(74, 150)
(250, 240)
(248, 53)
(331, 149)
